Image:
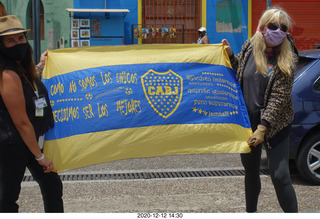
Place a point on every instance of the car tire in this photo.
(308, 160)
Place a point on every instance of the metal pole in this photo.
(269, 2)
(36, 30)
(132, 33)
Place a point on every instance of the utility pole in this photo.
(269, 2)
(36, 30)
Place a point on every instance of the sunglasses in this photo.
(274, 26)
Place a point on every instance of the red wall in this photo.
(306, 17)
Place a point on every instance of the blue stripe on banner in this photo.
(140, 95)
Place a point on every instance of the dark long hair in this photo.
(26, 69)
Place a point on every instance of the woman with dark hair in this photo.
(265, 68)
(25, 116)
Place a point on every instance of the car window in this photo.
(316, 85)
(303, 64)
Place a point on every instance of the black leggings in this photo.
(278, 161)
(14, 158)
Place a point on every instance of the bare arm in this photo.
(205, 40)
(12, 94)
(42, 63)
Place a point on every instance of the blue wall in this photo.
(235, 39)
(129, 18)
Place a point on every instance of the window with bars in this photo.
(183, 16)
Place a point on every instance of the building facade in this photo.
(165, 21)
(55, 21)
(69, 23)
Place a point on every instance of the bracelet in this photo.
(39, 68)
(40, 158)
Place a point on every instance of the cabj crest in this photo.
(163, 91)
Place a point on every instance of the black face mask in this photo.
(16, 52)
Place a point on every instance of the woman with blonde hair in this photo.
(265, 69)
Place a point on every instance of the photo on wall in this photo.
(137, 32)
(75, 23)
(74, 34)
(164, 32)
(85, 42)
(84, 22)
(85, 33)
(145, 33)
(75, 43)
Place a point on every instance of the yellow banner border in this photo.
(76, 59)
(153, 141)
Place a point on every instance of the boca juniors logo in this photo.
(163, 91)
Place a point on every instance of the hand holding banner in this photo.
(119, 102)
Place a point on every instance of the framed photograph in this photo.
(74, 34)
(85, 33)
(145, 33)
(84, 22)
(137, 32)
(172, 32)
(85, 42)
(164, 32)
(74, 43)
(155, 32)
(75, 23)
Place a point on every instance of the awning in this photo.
(125, 11)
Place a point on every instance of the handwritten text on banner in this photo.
(119, 102)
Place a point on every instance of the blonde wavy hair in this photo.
(285, 59)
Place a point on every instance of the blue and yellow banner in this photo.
(118, 102)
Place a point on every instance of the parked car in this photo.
(305, 134)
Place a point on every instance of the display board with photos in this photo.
(156, 32)
(80, 32)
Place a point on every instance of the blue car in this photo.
(305, 134)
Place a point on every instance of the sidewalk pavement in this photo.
(173, 195)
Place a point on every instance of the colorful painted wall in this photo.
(113, 20)
(56, 21)
(222, 18)
(228, 19)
